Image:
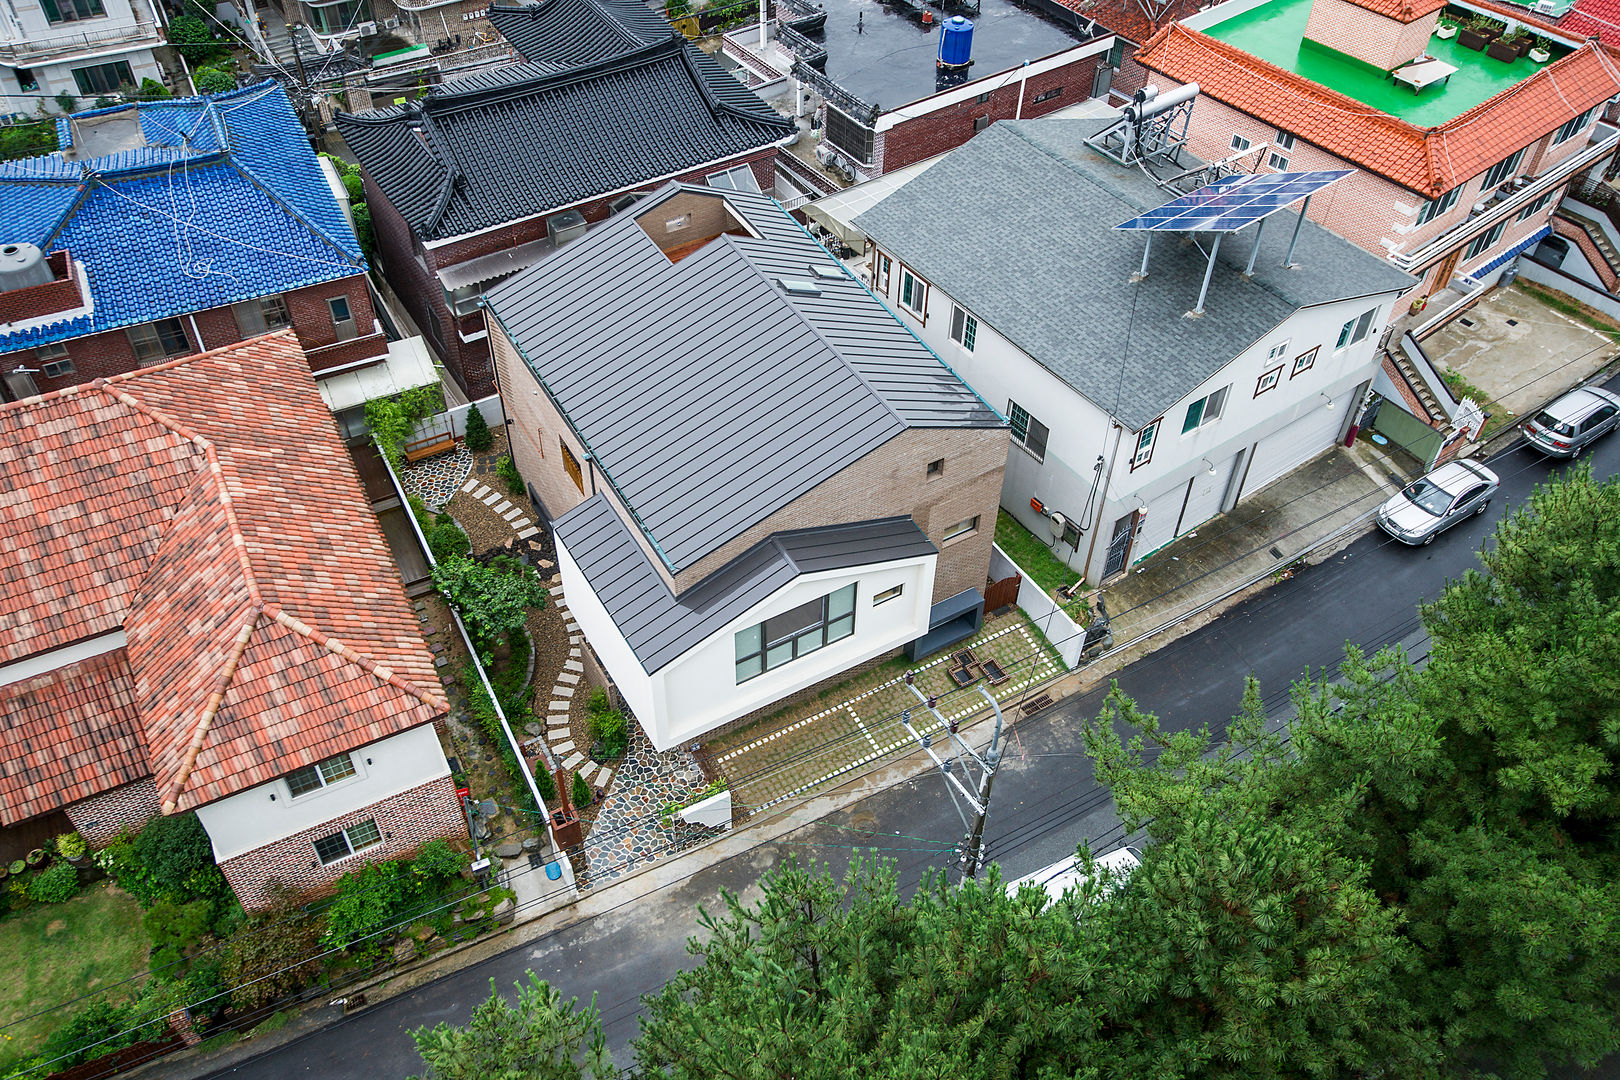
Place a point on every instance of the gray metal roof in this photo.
(522, 140)
(1018, 227)
(707, 395)
(661, 626)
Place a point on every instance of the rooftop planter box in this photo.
(1469, 38)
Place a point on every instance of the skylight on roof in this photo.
(799, 286)
(826, 272)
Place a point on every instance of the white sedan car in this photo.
(1431, 504)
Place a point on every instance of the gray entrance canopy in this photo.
(1229, 204)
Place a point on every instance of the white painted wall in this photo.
(267, 813)
(698, 691)
(1081, 430)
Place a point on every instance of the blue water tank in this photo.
(955, 42)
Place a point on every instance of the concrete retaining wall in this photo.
(1066, 637)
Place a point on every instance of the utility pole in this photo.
(301, 99)
(973, 840)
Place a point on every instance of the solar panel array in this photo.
(1233, 202)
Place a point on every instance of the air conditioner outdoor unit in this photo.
(391, 24)
(569, 225)
(367, 29)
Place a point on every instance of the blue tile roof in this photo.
(226, 202)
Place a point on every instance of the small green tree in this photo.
(192, 37)
(493, 599)
(213, 80)
(544, 782)
(580, 792)
(540, 1037)
(479, 437)
(152, 90)
(392, 419)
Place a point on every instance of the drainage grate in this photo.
(1035, 705)
(1466, 322)
(1275, 554)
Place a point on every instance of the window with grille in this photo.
(340, 845)
(1027, 431)
(1144, 445)
(964, 328)
(849, 135)
(913, 292)
(1502, 171)
(1435, 207)
(314, 777)
(154, 342)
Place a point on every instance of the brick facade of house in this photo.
(407, 821)
(412, 267)
(101, 818)
(100, 356)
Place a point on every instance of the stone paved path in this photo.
(629, 831)
(435, 479)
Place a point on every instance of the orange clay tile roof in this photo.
(1127, 17)
(1430, 161)
(1403, 11)
(208, 508)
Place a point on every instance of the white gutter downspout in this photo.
(1023, 77)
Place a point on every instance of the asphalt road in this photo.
(1045, 801)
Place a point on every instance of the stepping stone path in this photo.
(435, 479)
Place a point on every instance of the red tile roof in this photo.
(208, 507)
(1404, 11)
(1128, 19)
(1429, 161)
(1589, 18)
(68, 734)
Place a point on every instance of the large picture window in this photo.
(103, 78)
(157, 341)
(57, 11)
(795, 633)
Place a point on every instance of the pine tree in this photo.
(479, 438)
(540, 1037)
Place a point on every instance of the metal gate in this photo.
(1003, 593)
(1119, 547)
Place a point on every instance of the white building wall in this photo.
(128, 31)
(697, 692)
(267, 813)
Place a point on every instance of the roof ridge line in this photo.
(710, 98)
(216, 698)
(452, 98)
(253, 178)
(383, 672)
(730, 242)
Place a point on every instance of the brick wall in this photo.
(419, 288)
(1577, 235)
(370, 347)
(101, 818)
(61, 294)
(1366, 35)
(949, 127)
(407, 821)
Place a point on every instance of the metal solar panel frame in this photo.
(1228, 205)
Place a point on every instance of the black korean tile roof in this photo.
(575, 32)
(479, 152)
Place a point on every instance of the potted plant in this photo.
(18, 866)
(71, 846)
(1479, 32)
(1521, 41)
(1541, 50)
(36, 857)
(1446, 30)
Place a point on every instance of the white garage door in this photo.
(1297, 443)
(1160, 527)
(1204, 501)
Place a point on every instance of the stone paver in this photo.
(562, 748)
(435, 480)
(568, 677)
(472, 486)
(526, 533)
(559, 706)
(628, 832)
(573, 665)
(572, 760)
(563, 691)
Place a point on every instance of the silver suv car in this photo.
(1573, 422)
(1431, 504)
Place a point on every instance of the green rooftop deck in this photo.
(1275, 32)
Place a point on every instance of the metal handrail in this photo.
(85, 39)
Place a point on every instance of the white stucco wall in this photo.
(1080, 430)
(264, 814)
(698, 691)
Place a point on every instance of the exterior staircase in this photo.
(1419, 385)
(1594, 243)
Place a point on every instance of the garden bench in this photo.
(426, 448)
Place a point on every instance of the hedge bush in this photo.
(56, 884)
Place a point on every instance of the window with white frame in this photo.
(882, 265)
(913, 291)
(1569, 130)
(1283, 139)
(1536, 207)
(1502, 171)
(1484, 241)
(319, 775)
(1354, 330)
(888, 594)
(1206, 410)
(964, 328)
(1435, 207)
(795, 633)
(340, 845)
(1144, 444)
(1279, 350)
(1027, 431)
(1240, 143)
(1277, 161)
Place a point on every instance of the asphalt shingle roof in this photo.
(1427, 160)
(478, 152)
(660, 626)
(226, 203)
(1034, 253)
(572, 32)
(709, 395)
(208, 508)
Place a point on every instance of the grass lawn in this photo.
(1033, 556)
(54, 952)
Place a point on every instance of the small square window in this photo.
(982, 98)
(1277, 161)
(1303, 362)
(329, 849)
(936, 467)
(1240, 143)
(1278, 351)
(55, 369)
(1283, 139)
(363, 835)
(964, 527)
(340, 309)
(887, 594)
(1267, 381)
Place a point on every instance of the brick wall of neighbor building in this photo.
(101, 818)
(945, 129)
(418, 285)
(100, 356)
(891, 479)
(60, 294)
(412, 817)
(1366, 35)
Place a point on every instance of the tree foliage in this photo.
(494, 598)
(540, 1037)
(479, 437)
(392, 419)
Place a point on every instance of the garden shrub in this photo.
(545, 783)
(596, 702)
(508, 471)
(178, 859)
(368, 900)
(56, 884)
(612, 731)
(94, 1031)
(479, 437)
(483, 711)
(494, 598)
(392, 419)
(191, 36)
(71, 845)
(27, 140)
(581, 792)
(67, 103)
(213, 80)
(274, 956)
(446, 540)
(438, 861)
(152, 90)
(363, 231)
(174, 927)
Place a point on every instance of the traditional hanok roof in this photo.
(1429, 161)
(224, 202)
(536, 137)
(573, 32)
(205, 510)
